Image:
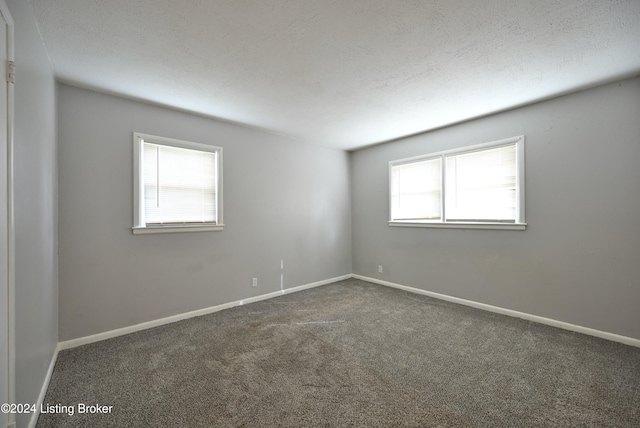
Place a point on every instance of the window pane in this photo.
(416, 190)
(481, 185)
(179, 185)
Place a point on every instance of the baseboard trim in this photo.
(205, 311)
(43, 391)
(516, 314)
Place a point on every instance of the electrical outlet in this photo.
(255, 282)
(379, 268)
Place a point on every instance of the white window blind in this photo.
(416, 190)
(481, 185)
(179, 185)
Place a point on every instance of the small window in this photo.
(178, 185)
(473, 187)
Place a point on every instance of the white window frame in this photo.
(520, 223)
(139, 226)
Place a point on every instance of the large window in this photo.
(474, 187)
(178, 185)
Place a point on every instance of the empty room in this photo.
(330, 213)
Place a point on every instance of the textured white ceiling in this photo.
(343, 73)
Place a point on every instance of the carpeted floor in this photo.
(349, 354)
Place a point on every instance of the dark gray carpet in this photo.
(350, 354)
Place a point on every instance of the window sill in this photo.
(460, 225)
(176, 229)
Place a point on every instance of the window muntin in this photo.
(480, 185)
(178, 185)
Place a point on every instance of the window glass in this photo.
(177, 185)
(416, 192)
(480, 184)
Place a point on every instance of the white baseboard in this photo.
(43, 391)
(535, 318)
(168, 320)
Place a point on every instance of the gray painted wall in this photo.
(36, 298)
(282, 200)
(579, 259)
